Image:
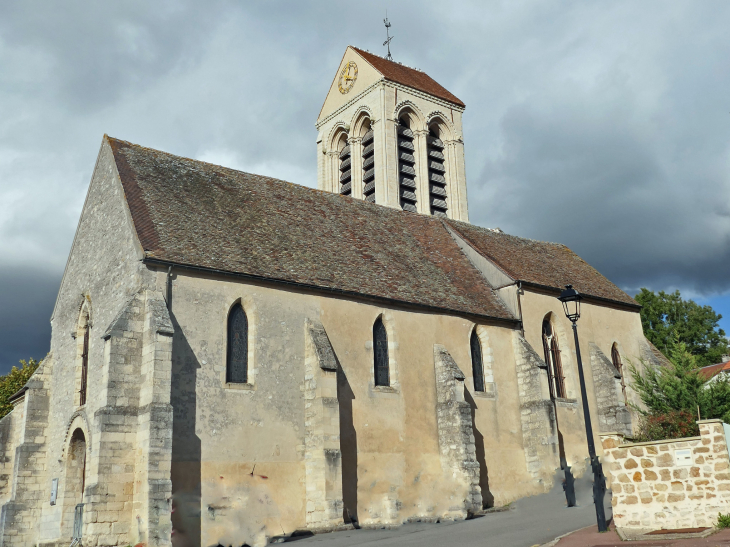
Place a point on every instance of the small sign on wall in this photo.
(683, 457)
(54, 491)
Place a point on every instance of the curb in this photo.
(555, 541)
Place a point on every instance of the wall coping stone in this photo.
(664, 441)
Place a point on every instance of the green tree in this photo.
(13, 381)
(697, 326)
(674, 394)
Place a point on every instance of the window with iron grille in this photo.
(380, 349)
(406, 167)
(368, 166)
(436, 174)
(84, 366)
(552, 359)
(616, 358)
(237, 354)
(477, 366)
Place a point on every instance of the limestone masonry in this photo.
(266, 358)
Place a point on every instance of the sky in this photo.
(601, 125)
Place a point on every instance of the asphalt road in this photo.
(529, 521)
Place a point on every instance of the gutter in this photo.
(350, 294)
(546, 288)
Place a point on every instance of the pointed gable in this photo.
(410, 77)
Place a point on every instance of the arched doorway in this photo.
(75, 482)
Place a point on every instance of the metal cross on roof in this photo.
(387, 33)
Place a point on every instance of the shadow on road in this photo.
(530, 521)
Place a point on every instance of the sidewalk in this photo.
(589, 537)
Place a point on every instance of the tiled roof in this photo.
(710, 371)
(193, 213)
(410, 77)
(540, 263)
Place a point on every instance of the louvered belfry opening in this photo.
(436, 174)
(345, 170)
(477, 365)
(237, 354)
(380, 349)
(406, 167)
(368, 166)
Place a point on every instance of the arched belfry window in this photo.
(368, 164)
(436, 173)
(406, 166)
(380, 349)
(345, 166)
(552, 359)
(616, 358)
(477, 364)
(237, 354)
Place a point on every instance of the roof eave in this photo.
(329, 290)
(586, 296)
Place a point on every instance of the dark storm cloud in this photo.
(605, 126)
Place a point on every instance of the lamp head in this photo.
(571, 303)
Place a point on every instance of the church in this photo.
(234, 357)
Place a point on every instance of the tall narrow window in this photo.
(237, 356)
(84, 366)
(477, 366)
(616, 358)
(345, 168)
(368, 166)
(436, 174)
(380, 348)
(552, 358)
(406, 167)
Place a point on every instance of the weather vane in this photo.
(387, 33)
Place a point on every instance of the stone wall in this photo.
(681, 483)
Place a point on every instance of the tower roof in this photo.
(395, 72)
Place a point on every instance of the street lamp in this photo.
(571, 305)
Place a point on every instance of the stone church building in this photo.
(236, 357)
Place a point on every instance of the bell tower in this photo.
(391, 135)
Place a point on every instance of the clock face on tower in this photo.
(347, 77)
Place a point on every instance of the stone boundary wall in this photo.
(661, 485)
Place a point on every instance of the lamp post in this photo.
(571, 305)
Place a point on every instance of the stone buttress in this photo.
(128, 497)
(613, 414)
(456, 433)
(20, 515)
(322, 454)
(537, 414)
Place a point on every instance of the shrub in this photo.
(723, 521)
(13, 381)
(673, 424)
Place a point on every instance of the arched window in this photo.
(368, 163)
(477, 365)
(436, 172)
(552, 358)
(345, 166)
(616, 358)
(84, 366)
(406, 165)
(237, 355)
(380, 349)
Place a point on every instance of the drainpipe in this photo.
(169, 289)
